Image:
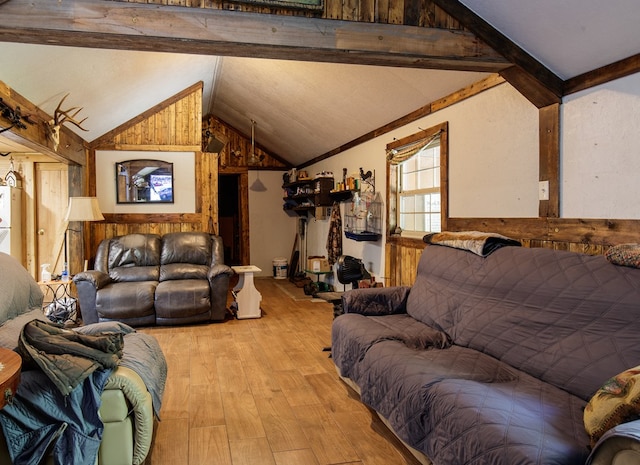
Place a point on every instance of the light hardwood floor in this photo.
(263, 392)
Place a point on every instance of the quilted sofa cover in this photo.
(492, 360)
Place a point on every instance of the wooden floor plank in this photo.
(209, 446)
(263, 392)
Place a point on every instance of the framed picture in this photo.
(144, 181)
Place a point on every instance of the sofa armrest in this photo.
(127, 413)
(87, 284)
(217, 270)
(618, 446)
(376, 301)
(97, 279)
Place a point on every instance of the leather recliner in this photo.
(147, 279)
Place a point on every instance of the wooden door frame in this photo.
(243, 208)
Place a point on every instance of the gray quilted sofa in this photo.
(493, 360)
(147, 279)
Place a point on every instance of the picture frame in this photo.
(144, 181)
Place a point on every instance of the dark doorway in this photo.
(229, 217)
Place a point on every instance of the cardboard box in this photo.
(318, 264)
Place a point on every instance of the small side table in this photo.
(57, 295)
(246, 294)
(10, 364)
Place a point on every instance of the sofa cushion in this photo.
(616, 402)
(352, 335)
(186, 247)
(458, 405)
(126, 300)
(183, 271)
(182, 298)
(133, 257)
(523, 421)
(535, 309)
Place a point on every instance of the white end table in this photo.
(246, 294)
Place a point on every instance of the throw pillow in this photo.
(616, 402)
(624, 255)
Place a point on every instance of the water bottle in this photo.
(64, 276)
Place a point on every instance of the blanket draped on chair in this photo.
(480, 243)
(55, 409)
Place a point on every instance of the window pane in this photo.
(435, 223)
(418, 197)
(410, 164)
(408, 204)
(407, 222)
(435, 202)
(427, 179)
(426, 160)
(409, 181)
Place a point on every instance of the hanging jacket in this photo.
(334, 239)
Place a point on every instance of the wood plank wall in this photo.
(174, 125)
(423, 13)
(237, 151)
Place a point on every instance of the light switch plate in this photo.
(543, 190)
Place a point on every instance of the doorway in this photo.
(229, 217)
(52, 196)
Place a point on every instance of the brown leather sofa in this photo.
(147, 279)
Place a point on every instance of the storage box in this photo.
(318, 264)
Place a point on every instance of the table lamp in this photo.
(79, 209)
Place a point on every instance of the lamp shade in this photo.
(83, 209)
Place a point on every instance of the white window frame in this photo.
(394, 173)
(403, 193)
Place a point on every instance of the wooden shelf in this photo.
(341, 196)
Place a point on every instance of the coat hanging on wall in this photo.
(334, 240)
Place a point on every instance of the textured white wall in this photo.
(601, 151)
(272, 230)
(493, 155)
(493, 172)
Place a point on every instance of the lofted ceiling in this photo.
(306, 109)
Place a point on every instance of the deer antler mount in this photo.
(59, 118)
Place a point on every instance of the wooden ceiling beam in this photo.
(535, 81)
(135, 26)
(34, 137)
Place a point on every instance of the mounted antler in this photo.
(59, 118)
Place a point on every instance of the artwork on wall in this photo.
(144, 181)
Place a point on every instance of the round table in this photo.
(10, 364)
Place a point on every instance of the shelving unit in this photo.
(341, 196)
(303, 196)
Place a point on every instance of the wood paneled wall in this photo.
(408, 12)
(174, 125)
(237, 151)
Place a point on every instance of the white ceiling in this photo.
(304, 109)
(570, 37)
